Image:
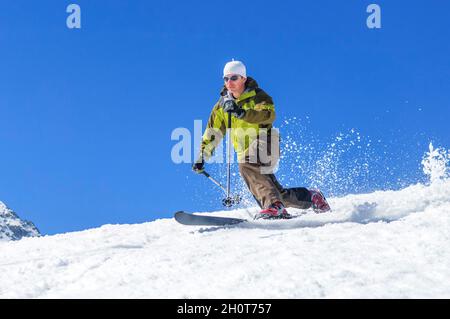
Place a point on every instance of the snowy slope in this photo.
(14, 228)
(386, 244)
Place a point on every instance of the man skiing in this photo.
(256, 144)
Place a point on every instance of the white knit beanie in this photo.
(235, 67)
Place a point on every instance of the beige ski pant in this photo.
(257, 171)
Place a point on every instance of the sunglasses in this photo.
(232, 78)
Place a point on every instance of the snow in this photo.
(385, 244)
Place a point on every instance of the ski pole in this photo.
(214, 181)
(226, 201)
(229, 157)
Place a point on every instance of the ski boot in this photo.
(274, 211)
(319, 203)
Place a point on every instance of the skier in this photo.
(253, 109)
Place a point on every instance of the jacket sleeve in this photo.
(263, 113)
(214, 132)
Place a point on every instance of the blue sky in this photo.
(87, 115)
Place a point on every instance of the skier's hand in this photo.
(230, 106)
(199, 167)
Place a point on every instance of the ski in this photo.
(200, 220)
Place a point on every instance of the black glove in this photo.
(199, 166)
(229, 105)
